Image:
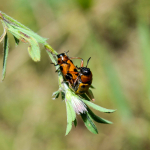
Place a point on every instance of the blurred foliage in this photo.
(116, 35)
(84, 4)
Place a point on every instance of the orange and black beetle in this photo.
(84, 81)
(67, 68)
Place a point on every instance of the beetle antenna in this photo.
(66, 52)
(88, 61)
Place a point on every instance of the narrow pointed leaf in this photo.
(92, 87)
(90, 95)
(75, 122)
(14, 32)
(69, 127)
(72, 112)
(85, 96)
(97, 118)
(99, 108)
(56, 94)
(71, 116)
(16, 40)
(3, 35)
(69, 119)
(89, 123)
(6, 49)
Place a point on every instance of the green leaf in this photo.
(97, 118)
(71, 116)
(89, 123)
(15, 34)
(33, 49)
(69, 127)
(85, 96)
(16, 40)
(6, 49)
(75, 122)
(13, 31)
(99, 108)
(72, 112)
(88, 95)
(56, 94)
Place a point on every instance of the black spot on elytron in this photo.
(75, 70)
(64, 62)
(68, 76)
(61, 68)
(83, 86)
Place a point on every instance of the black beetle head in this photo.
(85, 71)
(61, 55)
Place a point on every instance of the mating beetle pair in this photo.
(80, 79)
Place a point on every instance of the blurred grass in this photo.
(116, 35)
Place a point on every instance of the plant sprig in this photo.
(75, 104)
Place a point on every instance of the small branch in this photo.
(74, 103)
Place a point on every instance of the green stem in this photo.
(51, 52)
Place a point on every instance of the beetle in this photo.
(67, 68)
(84, 81)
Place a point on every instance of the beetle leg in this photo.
(78, 58)
(74, 84)
(55, 64)
(67, 82)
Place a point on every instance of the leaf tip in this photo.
(111, 111)
(69, 127)
(36, 59)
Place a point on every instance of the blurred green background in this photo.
(116, 34)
